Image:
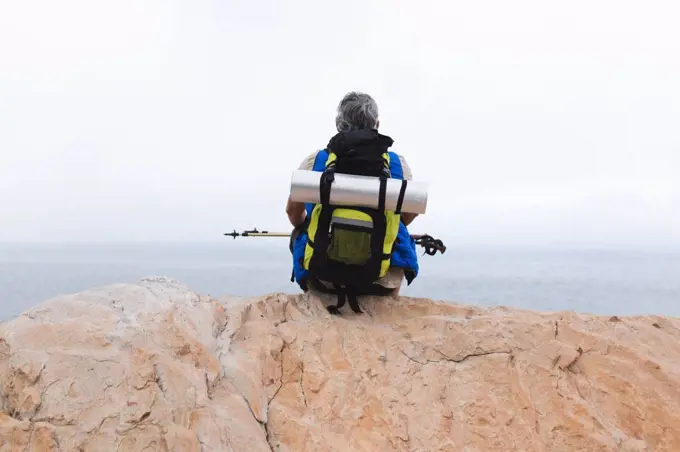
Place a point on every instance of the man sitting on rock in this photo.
(357, 124)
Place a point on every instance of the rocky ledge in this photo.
(154, 366)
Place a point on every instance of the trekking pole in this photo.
(428, 242)
(256, 233)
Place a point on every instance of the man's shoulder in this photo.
(405, 168)
(307, 163)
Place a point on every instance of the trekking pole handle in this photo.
(430, 244)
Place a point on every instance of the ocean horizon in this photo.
(604, 282)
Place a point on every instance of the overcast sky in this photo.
(548, 123)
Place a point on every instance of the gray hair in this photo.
(356, 111)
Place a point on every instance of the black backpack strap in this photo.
(335, 310)
(320, 240)
(353, 302)
(345, 294)
(400, 200)
(382, 194)
(326, 180)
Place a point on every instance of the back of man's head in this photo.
(356, 111)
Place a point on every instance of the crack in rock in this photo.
(413, 359)
(264, 425)
(302, 388)
(220, 328)
(208, 389)
(474, 355)
(571, 367)
(59, 421)
(283, 312)
(159, 380)
(446, 358)
(14, 414)
(97, 429)
(266, 433)
(572, 363)
(30, 438)
(269, 402)
(37, 377)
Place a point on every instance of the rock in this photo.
(154, 366)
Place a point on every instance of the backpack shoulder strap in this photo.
(320, 160)
(395, 166)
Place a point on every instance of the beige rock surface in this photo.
(154, 367)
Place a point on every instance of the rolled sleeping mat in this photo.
(351, 190)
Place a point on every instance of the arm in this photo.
(296, 212)
(407, 218)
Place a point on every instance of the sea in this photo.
(605, 282)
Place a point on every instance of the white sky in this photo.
(534, 122)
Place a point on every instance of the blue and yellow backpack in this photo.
(351, 247)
